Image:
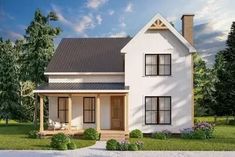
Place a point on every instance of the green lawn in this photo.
(224, 140)
(210, 119)
(14, 136)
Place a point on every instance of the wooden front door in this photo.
(117, 113)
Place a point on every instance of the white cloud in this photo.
(129, 7)
(119, 34)
(86, 22)
(111, 12)
(123, 24)
(62, 19)
(94, 4)
(15, 35)
(172, 18)
(216, 14)
(11, 34)
(99, 19)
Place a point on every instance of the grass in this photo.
(224, 140)
(14, 137)
(210, 119)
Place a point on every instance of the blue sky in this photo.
(115, 18)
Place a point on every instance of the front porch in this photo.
(115, 127)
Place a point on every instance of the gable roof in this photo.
(88, 55)
(191, 49)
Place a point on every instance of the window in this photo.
(63, 109)
(158, 110)
(157, 64)
(89, 109)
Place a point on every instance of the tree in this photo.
(39, 48)
(9, 85)
(203, 86)
(225, 72)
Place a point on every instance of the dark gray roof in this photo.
(83, 86)
(88, 55)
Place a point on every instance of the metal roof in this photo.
(88, 55)
(83, 86)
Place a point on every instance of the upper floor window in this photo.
(157, 64)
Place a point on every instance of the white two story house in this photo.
(121, 84)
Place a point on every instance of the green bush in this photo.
(187, 133)
(59, 140)
(199, 134)
(136, 134)
(132, 147)
(123, 146)
(91, 134)
(62, 146)
(71, 145)
(112, 145)
(231, 122)
(33, 134)
(159, 135)
(140, 145)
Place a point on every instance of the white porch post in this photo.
(98, 113)
(69, 112)
(126, 113)
(41, 114)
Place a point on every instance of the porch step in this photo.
(119, 136)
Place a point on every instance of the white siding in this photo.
(86, 78)
(178, 85)
(77, 112)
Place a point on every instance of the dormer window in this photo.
(157, 64)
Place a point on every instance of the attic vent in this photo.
(158, 25)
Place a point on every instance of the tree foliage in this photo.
(203, 86)
(225, 81)
(39, 46)
(9, 82)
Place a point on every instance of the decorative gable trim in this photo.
(158, 25)
(190, 48)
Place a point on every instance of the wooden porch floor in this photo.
(105, 134)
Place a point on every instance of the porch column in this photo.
(69, 112)
(98, 112)
(41, 114)
(126, 113)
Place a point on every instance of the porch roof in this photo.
(82, 88)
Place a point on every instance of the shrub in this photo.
(123, 146)
(71, 145)
(33, 134)
(199, 134)
(167, 133)
(91, 134)
(231, 122)
(186, 133)
(136, 134)
(112, 145)
(207, 128)
(140, 145)
(59, 140)
(62, 146)
(159, 135)
(132, 147)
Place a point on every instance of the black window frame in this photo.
(91, 110)
(65, 110)
(158, 110)
(158, 65)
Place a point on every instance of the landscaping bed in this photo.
(15, 137)
(224, 139)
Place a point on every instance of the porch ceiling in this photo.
(82, 88)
